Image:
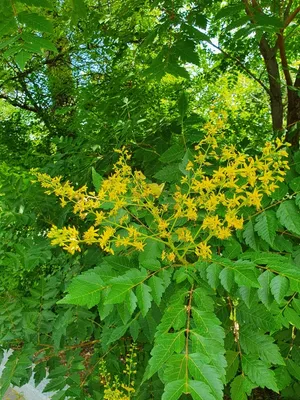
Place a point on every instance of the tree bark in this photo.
(293, 113)
(276, 103)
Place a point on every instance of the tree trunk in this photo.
(62, 90)
(269, 56)
(293, 113)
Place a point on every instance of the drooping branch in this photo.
(237, 61)
(291, 17)
(18, 104)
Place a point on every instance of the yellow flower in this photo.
(223, 233)
(138, 245)
(100, 216)
(184, 235)
(90, 236)
(211, 222)
(254, 198)
(234, 221)
(171, 257)
(106, 235)
(203, 250)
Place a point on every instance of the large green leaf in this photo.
(174, 153)
(246, 274)
(241, 388)
(266, 226)
(157, 288)
(84, 290)
(264, 292)
(256, 343)
(198, 390)
(38, 3)
(21, 59)
(279, 287)
(35, 21)
(7, 26)
(259, 373)
(206, 374)
(122, 285)
(289, 216)
(164, 347)
(250, 236)
(144, 298)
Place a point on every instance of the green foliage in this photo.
(78, 80)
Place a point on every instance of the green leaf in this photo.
(169, 173)
(247, 294)
(55, 384)
(183, 105)
(35, 21)
(177, 70)
(122, 285)
(259, 373)
(281, 265)
(232, 249)
(7, 42)
(144, 298)
(195, 33)
(283, 378)
(250, 236)
(207, 374)
(241, 387)
(292, 317)
(7, 26)
(84, 290)
(294, 184)
(117, 333)
(39, 42)
(266, 226)
(38, 3)
(212, 273)
(289, 216)
(293, 368)
(157, 288)
(279, 287)
(21, 59)
(280, 192)
(198, 390)
(227, 278)
(264, 292)
(185, 48)
(246, 274)
(163, 349)
(174, 153)
(258, 344)
(257, 316)
(97, 180)
(79, 10)
(233, 361)
(208, 325)
(152, 250)
(18, 367)
(227, 11)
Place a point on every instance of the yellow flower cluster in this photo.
(113, 388)
(220, 182)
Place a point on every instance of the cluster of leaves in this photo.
(195, 259)
(229, 308)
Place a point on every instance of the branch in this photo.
(242, 66)
(297, 80)
(291, 17)
(283, 58)
(15, 103)
(288, 9)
